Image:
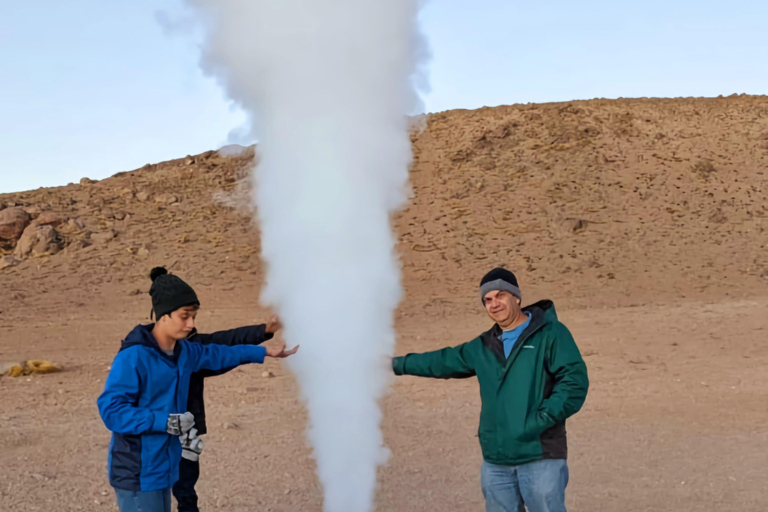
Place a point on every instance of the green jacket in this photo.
(525, 398)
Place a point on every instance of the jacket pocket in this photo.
(536, 424)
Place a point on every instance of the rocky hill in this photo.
(593, 202)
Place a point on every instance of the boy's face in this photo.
(179, 323)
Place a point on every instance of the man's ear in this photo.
(519, 302)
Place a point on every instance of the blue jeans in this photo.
(539, 485)
(144, 501)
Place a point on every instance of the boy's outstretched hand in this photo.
(280, 352)
(273, 325)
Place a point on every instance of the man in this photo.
(532, 378)
(189, 466)
(145, 397)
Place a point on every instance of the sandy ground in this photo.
(675, 418)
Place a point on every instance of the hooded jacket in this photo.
(527, 396)
(145, 386)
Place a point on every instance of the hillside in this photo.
(601, 202)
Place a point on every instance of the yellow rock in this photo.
(41, 366)
(28, 368)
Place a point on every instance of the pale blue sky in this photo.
(91, 88)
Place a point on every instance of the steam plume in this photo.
(328, 86)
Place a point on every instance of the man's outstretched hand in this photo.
(280, 352)
(274, 325)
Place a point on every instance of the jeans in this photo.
(184, 489)
(144, 501)
(539, 485)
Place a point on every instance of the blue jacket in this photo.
(144, 386)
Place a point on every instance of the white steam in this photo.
(328, 85)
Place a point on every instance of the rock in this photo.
(38, 240)
(166, 199)
(104, 236)
(13, 222)
(142, 196)
(38, 366)
(78, 244)
(33, 210)
(48, 219)
(143, 252)
(76, 224)
(86, 181)
(230, 426)
(8, 261)
(119, 215)
(267, 375)
(189, 160)
(576, 225)
(5, 368)
(487, 163)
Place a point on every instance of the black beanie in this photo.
(169, 292)
(500, 279)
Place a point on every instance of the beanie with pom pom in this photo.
(169, 292)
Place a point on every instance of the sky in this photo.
(90, 88)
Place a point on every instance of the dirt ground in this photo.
(675, 418)
(644, 220)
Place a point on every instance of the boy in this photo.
(145, 397)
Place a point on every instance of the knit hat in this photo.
(500, 279)
(169, 292)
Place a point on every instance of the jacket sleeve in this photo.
(220, 357)
(567, 367)
(250, 335)
(117, 404)
(448, 363)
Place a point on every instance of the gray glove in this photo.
(179, 424)
(191, 445)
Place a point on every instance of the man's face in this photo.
(179, 323)
(502, 307)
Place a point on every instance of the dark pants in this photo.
(144, 501)
(184, 489)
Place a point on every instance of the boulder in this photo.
(166, 199)
(8, 261)
(33, 210)
(38, 240)
(76, 224)
(48, 219)
(103, 237)
(13, 222)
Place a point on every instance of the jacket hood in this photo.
(546, 308)
(542, 313)
(142, 335)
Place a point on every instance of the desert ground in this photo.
(643, 220)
